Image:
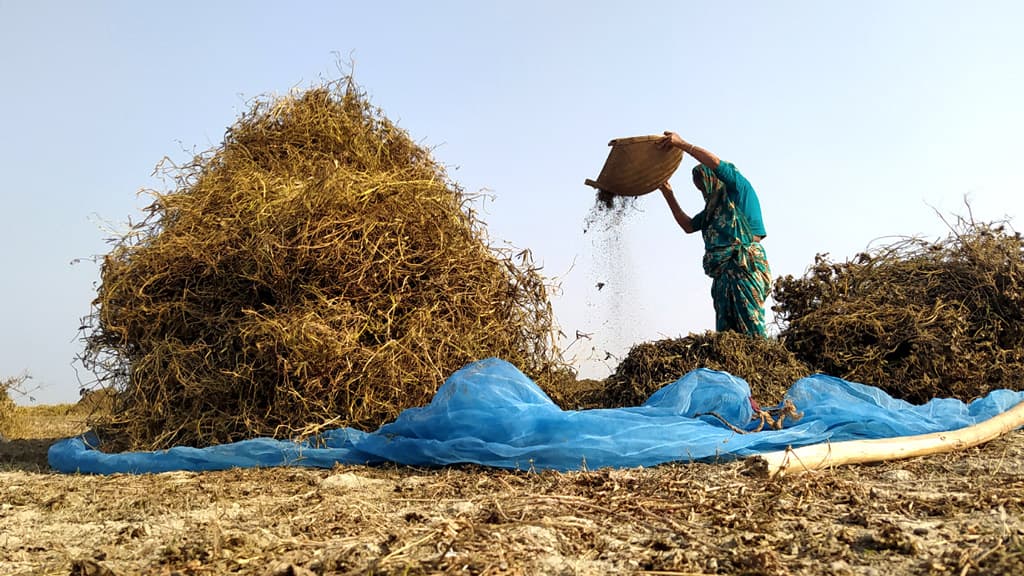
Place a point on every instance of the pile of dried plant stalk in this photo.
(765, 364)
(317, 269)
(6, 406)
(916, 318)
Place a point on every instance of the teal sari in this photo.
(734, 259)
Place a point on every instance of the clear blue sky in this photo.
(853, 121)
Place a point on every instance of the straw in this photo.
(317, 269)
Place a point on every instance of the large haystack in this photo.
(318, 268)
(918, 319)
(765, 364)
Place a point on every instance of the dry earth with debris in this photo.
(959, 513)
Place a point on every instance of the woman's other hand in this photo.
(672, 139)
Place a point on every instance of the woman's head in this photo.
(705, 180)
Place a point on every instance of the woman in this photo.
(732, 228)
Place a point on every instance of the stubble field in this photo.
(959, 513)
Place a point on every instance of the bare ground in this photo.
(958, 514)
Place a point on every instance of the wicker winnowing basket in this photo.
(636, 166)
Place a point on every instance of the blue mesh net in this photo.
(490, 413)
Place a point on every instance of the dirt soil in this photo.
(959, 513)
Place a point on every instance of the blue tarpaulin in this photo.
(490, 413)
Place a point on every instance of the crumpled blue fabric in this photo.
(490, 413)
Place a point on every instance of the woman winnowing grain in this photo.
(732, 228)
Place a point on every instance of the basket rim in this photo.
(633, 140)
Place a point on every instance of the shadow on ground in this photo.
(27, 455)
